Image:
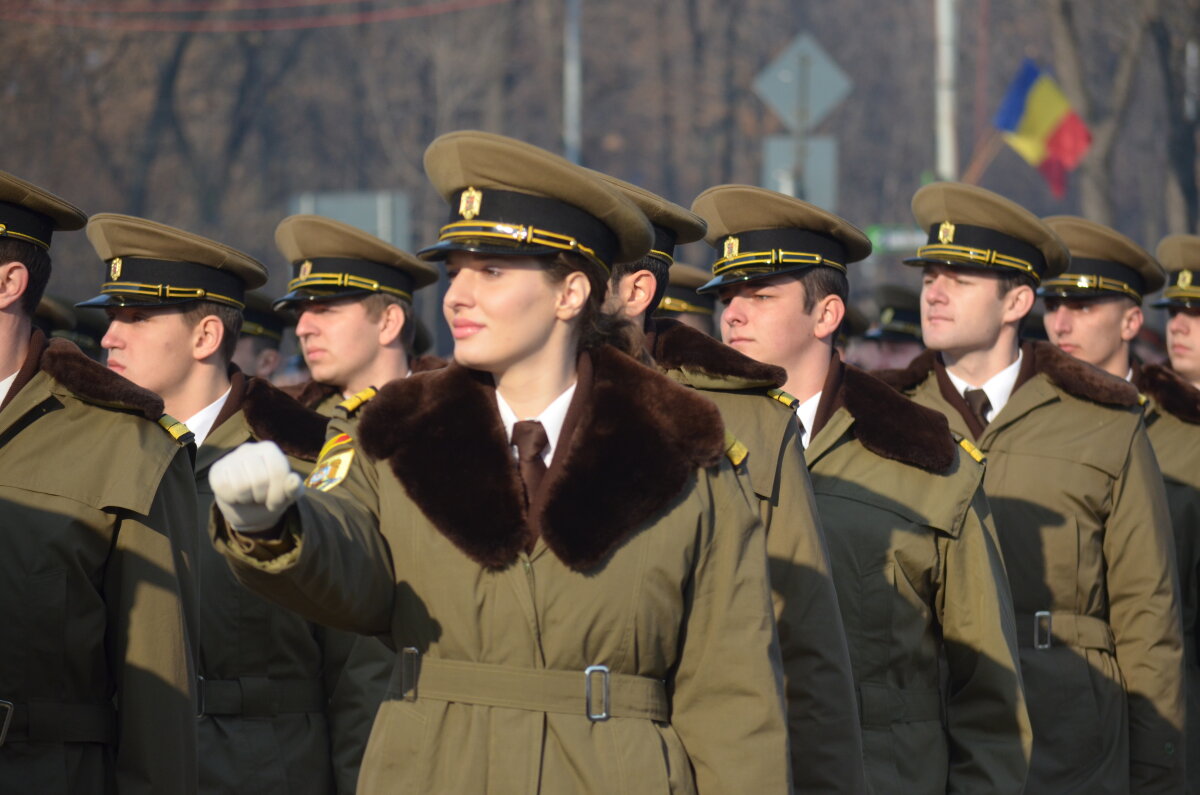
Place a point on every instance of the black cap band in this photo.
(1087, 275)
(685, 299)
(664, 244)
(340, 274)
(171, 281)
(896, 324)
(21, 223)
(980, 247)
(257, 323)
(778, 250)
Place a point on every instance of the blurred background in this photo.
(224, 117)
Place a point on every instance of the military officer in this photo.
(681, 302)
(915, 559)
(822, 716)
(257, 351)
(95, 685)
(1077, 496)
(280, 709)
(352, 295)
(1173, 422)
(897, 328)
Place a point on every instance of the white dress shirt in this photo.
(551, 418)
(999, 388)
(6, 385)
(806, 412)
(201, 423)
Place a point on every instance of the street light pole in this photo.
(572, 81)
(945, 29)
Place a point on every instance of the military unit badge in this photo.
(330, 471)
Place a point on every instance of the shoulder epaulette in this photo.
(179, 432)
(735, 451)
(356, 401)
(971, 449)
(784, 398)
(1142, 399)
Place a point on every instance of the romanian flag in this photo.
(1038, 122)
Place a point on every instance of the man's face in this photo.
(338, 338)
(1094, 330)
(153, 347)
(1183, 342)
(765, 319)
(962, 310)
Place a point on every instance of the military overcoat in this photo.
(93, 655)
(1082, 519)
(823, 725)
(286, 705)
(325, 398)
(640, 553)
(922, 590)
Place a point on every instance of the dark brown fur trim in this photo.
(678, 346)
(423, 364)
(275, 416)
(95, 383)
(892, 426)
(639, 438)
(1173, 394)
(311, 394)
(909, 377)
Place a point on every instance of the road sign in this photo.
(815, 180)
(803, 84)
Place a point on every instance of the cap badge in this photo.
(1185, 279)
(888, 316)
(731, 247)
(469, 202)
(305, 269)
(946, 233)
(114, 269)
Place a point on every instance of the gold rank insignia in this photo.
(114, 269)
(469, 202)
(305, 269)
(731, 247)
(946, 233)
(888, 316)
(1185, 279)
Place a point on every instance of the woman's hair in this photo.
(596, 325)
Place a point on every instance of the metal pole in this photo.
(944, 75)
(572, 81)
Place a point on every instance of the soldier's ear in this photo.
(1131, 322)
(207, 336)
(14, 281)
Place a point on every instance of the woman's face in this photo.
(503, 310)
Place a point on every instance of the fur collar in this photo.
(637, 439)
(892, 426)
(1168, 389)
(274, 415)
(311, 394)
(675, 346)
(1074, 377)
(95, 383)
(423, 364)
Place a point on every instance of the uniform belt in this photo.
(1044, 629)
(53, 722)
(260, 696)
(882, 705)
(594, 692)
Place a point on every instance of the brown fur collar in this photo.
(311, 394)
(1168, 389)
(95, 383)
(892, 426)
(1074, 377)
(423, 364)
(273, 415)
(638, 438)
(677, 346)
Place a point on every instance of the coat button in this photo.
(1169, 748)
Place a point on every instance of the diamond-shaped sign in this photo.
(803, 84)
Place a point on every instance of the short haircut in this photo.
(1006, 281)
(36, 261)
(231, 321)
(822, 281)
(376, 303)
(659, 269)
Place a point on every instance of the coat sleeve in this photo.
(727, 691)
(988, 731)
(356, 673)
(1144, 613)
(148, 648)
(330, 563)
(823, 727)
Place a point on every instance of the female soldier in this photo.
(589, 615)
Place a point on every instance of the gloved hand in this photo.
(254, 485)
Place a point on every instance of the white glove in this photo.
(254, 485)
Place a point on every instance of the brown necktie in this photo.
(977, 401)
(530, 439)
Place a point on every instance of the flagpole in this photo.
(944, 94)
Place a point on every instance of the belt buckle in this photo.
(588, 672)
(1042, 639)
(8, 708)
(409, 656)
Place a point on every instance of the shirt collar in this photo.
(999, 388)
(806, 412)
(6, 384)
(551, 418)
(201, 423)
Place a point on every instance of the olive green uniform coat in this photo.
(1172, 416)
(92, 646)
(325, 398)
(823, 726)
(640, 552)
(287, 704)
(923, 593)
(1083, 524)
